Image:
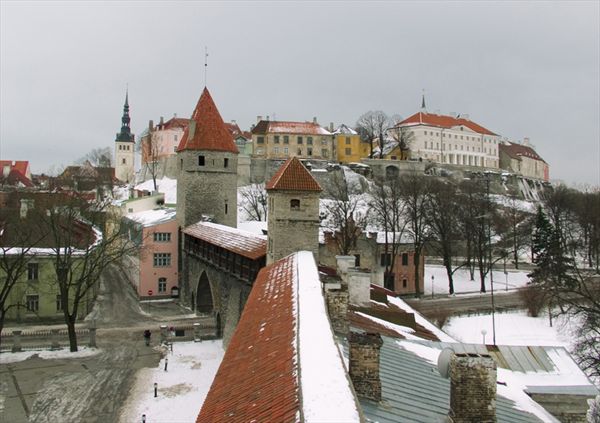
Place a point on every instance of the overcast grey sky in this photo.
(521, 69)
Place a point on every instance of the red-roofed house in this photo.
(162, 140)
(15, 173)
(523, 159)
(281, 139)
(452, 139)
(293, 218)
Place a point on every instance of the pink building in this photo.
(155, 232)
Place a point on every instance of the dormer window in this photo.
(200, 160)
(295, 204)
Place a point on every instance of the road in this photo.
(92, 389)
(467, 303)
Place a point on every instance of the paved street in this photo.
(90, 389)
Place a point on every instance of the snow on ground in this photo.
(10, 357)
(326, 392)
(181, 389)
(464, 284)
(512, 328)
(511, 202)
(253, 226)
(165, 185)
(121, 193)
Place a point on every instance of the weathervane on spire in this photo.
(205, 63)
(423, 100)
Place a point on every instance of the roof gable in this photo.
(516, 151)
(444, 121)
(206, 129)
(293, 176)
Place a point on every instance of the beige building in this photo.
(280, 140)
(453, 139)
(522, 159)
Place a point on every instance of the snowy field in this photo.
(463, 283)
(10, 357)
(512, 328)
(181, 389)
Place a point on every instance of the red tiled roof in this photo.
(240, 242)
(443, 121)
(175, 123)
(516, 151)
(286, 127)
(15, 177)
(206, 130)
(293, 176)
(19, 165)
(258, 377)
(234, 129)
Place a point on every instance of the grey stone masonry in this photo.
(293, 223)
(207, 186)
(472, 389)
(364, 364)
(337, 307)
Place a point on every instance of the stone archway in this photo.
(204, 297)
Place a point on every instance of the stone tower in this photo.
(124, 147)
(207, 165)
(293, 221)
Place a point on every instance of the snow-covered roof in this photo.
(344, 130)
(272, 369)
(165, 185)
(153, 217)
(236, 240)
(288, 127)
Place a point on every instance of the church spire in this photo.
(423, 108)
(125, 135)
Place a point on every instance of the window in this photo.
(285, 150)
(162, 285)
(299, 151)
(425, 132)
(59, 304)
(32, 271)
(356, 260)
(404, 259)
(200, 160)
(124, 161)
(32, 302)
(386, 259)
(162, 236)
(323, 141)
(175, 137)
(276, 150)
(325, 152)
(225, 162)
(174, 148)
(299, 140)
(120, 147)
(226, 208)
(310, 151)
(347, 140)
(286, 139)
(276, 138)
(309, 140)
(260, 140)
(348, 151)
(404, 283)
(162, 259)
(295, 204)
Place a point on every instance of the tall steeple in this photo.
(125, 135)
(423, 108)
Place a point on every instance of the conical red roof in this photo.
(206, 130)
(293, 176)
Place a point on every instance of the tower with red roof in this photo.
(293, 220)
(207, 166)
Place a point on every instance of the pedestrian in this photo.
(172, 330)
(147, 335)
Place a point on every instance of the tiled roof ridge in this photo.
(516, 150)
(445, 121)
(207, 130)
(293, 176)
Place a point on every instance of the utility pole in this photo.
(491, 265)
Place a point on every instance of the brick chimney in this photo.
(364, 364)
(315, 120)
(258, 118)
(337, 308)
(472, 388)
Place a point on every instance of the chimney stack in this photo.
(162, 122)
(258, 118)
(343, 264)
(315, 119)
(359, 287)
(364, 364)
(331, 127)
(151, 125)
(337, 308)
(6, 170)
(472, 388)
(526, 142)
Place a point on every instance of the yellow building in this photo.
(349, 147)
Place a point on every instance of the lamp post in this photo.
(489, 236)
(483, 333)
(432, 279)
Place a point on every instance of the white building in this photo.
(452, 139)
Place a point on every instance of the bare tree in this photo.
(254, 202)
(514, 227)
(403, 137)
(344, 216)
(443, 220)
(99, 157)
(149, 147)
(371, 127)
(386, 211)
(415, 191)
(81, 253)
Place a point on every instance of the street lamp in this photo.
(432, 278)
(483, 332)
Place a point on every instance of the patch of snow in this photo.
(441, 335)
(463, 283)
(428, 353)
(326, 392)
(64, 353)
(182, 389)
(153, 217)
(165, 185)
(405, 331)
(253, 226)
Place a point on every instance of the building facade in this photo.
(125, 148)
(451, 139)
(282, 140)
(348, 145)
(162, 140)
(523, 160)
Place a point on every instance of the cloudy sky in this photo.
(519, 68)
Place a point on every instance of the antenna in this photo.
(205, 63)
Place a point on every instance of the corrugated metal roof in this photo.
(414, 391)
